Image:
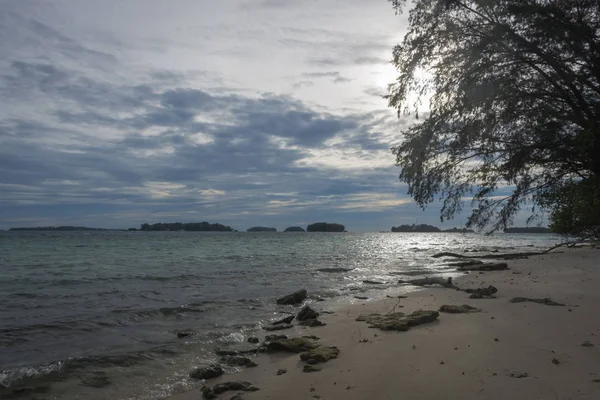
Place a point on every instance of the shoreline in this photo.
(523, 350)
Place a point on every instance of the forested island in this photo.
(325, 227)
(533, 229)
(190, 226)
(428, 228)
(59, 228)
(261, 229)
(294, 229)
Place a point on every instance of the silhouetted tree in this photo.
(515, 101)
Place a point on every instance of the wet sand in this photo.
(508, 350)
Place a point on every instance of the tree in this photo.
(514, 89)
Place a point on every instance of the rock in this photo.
(546, 301)
(485, 267)
(285, 320)
(253, 339)
(335, 270)
(212, 393)
(464, 309)
(587, 344)
(320, 355)
(294, 345)
(277, 327)
(361, 297)
(555, 361)
(399, 321)
(183, 334)
(306, 313)
(238, 361)
(270, 338)
(369, 282)
(294, 298)
(95, 380)
(445, 282)
(281, 371)
(310, 368)
(212, 371)
(312, 323)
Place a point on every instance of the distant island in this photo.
(325, 227)
(294, 229)
(59, 228)
(416, 228)
(533, 229)
(459, 230)
(261, 229)
(190, 226)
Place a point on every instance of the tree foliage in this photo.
(514, 89)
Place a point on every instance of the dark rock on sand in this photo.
(183, 334)
(312, 323)
(485, 267)
(361, 297)
(238, 361)
(294, 298)
(212, 371)
(307, 313)
(281, 371)
(95, 380)
(310, 368)
(464, 309)
(294, 345)
(209, 393)
(399, 321)
(285, 320)
(312, 337)
(270, 338)
(546, 301)
(277, 327)
(320, 355)
(587, 344)
(445, 282)
(253, 339)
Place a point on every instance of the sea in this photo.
(95, 315)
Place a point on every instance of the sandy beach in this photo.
(507, 350)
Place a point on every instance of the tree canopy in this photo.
(513, 91)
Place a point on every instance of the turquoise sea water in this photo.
(89, 304)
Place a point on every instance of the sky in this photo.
(244, 112)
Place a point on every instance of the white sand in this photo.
(458, 357)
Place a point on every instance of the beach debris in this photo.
(482, 293)
(361, 297)
(335, 270)
(294, 298)
(277, 327)
(209, 393)
(310, 368)
(306, 313)
(293, 345)
(463, 309)
(496, 340)
(253, 340)
(518, 375)
(320, 355)
(285, 320)
(398, 321)
(546, 301)
(312, 323)
(212, 371)
(587, 344)
(97, 379)
(596, 380)
(437, 280)
(485, 267)
(555, 361)
(281, 371)
(442, 363)
(401, 296)
(183, 334)
(270, 338)
(238, 361)
(370, 282)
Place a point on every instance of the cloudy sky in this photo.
(244, 112)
